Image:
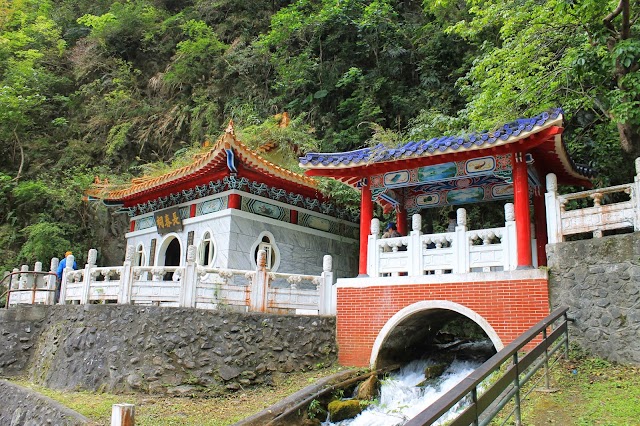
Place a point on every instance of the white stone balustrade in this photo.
(604, 215)
(458, 252)
(35, 286)
(187, 286)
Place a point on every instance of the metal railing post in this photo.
(566, 337)
(516, 396)
(474, 398)
(546, 359)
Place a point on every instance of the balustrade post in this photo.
(509, 240)
(65, 278)
(259, 285)
(414, 250)
(34, 284)
(15, 279)
(23, 276)
(327, 301)
(552, 205)
(461, 244)
(86, 279)
(126, 278)
(373, 255)
(189, 287)
(14, 283)
(51, 281)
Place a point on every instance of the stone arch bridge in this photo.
(378, 319)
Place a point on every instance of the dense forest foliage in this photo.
(116, 89)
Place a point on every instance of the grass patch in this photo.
(170, 411)
(591, 391)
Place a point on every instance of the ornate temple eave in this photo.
(227, 154)
(540, 135)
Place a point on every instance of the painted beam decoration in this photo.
(475, 180)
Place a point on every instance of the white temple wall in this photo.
(297, 249)
(237, 234)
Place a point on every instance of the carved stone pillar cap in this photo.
(93, 257)
(509, 212)
(461, 217)
(375, 226)
(191, 253)
(327, 263)
(552, 182)
(416, 222)
(262, 258)
(128, 255)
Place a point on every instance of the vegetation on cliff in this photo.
(104, 88)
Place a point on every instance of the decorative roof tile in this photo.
(508, 133)
(216, 157)
(442, 144)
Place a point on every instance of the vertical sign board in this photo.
(152, 252)
(168, 220)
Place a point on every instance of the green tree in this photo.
(581, 55)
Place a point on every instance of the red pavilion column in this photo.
(235, 201)
(401, 217)
(540, 219)
(521, 207)
(366, 214)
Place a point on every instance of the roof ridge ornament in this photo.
(230, 130)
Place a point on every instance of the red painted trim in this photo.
(540, 220)
(366, 214)
(401, 217)
(192, 210)
(521, 207)
(235, 201)
(294, 216)
(132, 225)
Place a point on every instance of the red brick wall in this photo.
(511, 307)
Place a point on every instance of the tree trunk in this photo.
(629, 138)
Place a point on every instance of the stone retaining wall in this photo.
(22, 406)
(181, 351)
(19, 330)
(599, 280)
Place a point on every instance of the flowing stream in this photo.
(401, 399)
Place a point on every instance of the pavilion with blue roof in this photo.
(507, 163)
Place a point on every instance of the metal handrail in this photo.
(33, 289)
(485, 405)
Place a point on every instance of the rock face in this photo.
(599, 280)
(341, 410)
(21, 406)
(162, 350)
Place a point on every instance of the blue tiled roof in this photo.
(381, 153)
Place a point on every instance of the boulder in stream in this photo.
(342, 410)
(431, 373)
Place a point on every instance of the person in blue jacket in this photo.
(61, 267)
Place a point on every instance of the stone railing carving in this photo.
(187, 286)
(460, 251)
(603, 215)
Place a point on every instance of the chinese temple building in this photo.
(230, 203)
(509, 163)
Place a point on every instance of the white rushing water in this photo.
(400, 398)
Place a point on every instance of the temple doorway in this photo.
(171, 257)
